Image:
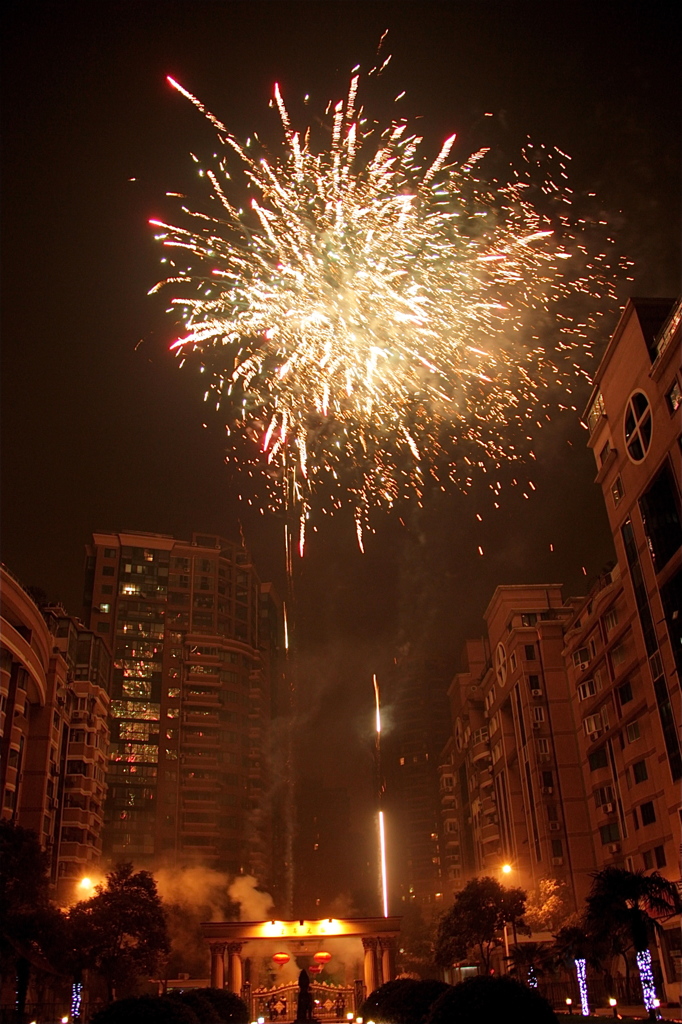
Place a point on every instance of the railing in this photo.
(331, 1002)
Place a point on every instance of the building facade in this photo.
(54, 708)
(512, 790)
(195, 639)
(417, 694)
(624, 650)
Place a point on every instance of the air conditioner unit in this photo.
(557, 861)
(536, 693)
(608, 808)
(614, 848)
(547, 790)
(554, 826)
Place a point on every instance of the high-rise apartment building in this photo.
(512, 789)
(54, 732)
(625, 646)
(195, 639)
(417, 694)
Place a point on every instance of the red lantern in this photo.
(281, 959)
(322, 957)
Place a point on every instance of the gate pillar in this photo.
(370, 965)
(234, 970)
(218, 964)
(387, 953)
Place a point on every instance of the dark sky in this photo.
(101, 431)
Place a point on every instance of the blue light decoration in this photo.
(646, 976)
(76, 999)
(581, 971)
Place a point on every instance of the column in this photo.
(387, 947)
(234, 971)
(370, 965)
(217, 965)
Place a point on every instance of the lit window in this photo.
(674, 396)
(617, 490)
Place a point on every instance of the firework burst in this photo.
(371, 321)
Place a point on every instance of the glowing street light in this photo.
(506, 869)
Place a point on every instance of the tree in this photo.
(527, 960)
(547, 907)
(574, 949)
(403, 1001)
(475, 922)
(632, 904)
(30, 926)
(121, 932)
(415, 955)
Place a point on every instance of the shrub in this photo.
(404, 1001)
(204, 1009)
(484, 999)
(229, 1007)
(146, 1010)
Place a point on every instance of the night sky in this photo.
(100, 428)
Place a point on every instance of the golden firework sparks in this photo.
(374, 322)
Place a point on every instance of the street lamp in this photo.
(506, 869)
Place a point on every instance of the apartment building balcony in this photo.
(480, 752)
(490, 833)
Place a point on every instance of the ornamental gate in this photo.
(331, 1002)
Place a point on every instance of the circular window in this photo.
(501, 664)
(637, 425)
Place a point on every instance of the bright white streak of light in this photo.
(378, 709)
(382, 845)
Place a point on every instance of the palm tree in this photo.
(573, 947)
(633, 904)
(528, 960)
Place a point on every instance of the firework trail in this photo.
(370, 322)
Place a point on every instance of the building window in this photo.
(648, 858)
(581, 658)
(598, 759)
(542, 746)
(674, 396)
(604, 453)
(586, 689)
(659, 855)
(639, 771)
(609, 833)
(539, 714)
(648, 813)
(625, 693)
(617, 490)
(592, 724)
(529, 618)
(529, 652)
(501, 664)
(596, 411)
(557, 848)
(107, 570)
(107, 588)
(660, 509)
(603, 795)
(512, 660)
(637, 425)
(633, 732)
(610, 621)
(110, 552)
